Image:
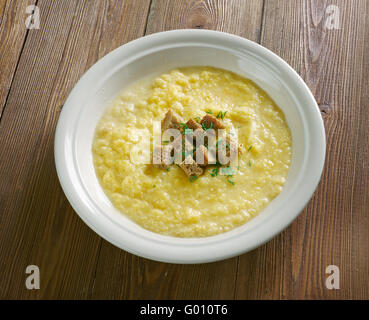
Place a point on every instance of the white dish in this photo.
(159, 53)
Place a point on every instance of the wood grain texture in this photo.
(37, 224)
(334, 228)
(234, 16)
(12, 35)
(136, 278)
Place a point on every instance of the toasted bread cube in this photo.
(162, 156)
(171, 121)
(166, 155)
(210, 121)
(202, 157)
(192, 124)
(177, 142)
(196, 130)
(190, 167)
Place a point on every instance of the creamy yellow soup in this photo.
(166, 201)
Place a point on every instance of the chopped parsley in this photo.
(231, 182)
(221, 114)
(193, 178)
(198, 119)
(209, 112)
(250, 163)
(214, 172)
(188, 131)
(228, 171)
(205, 128)
(188, 153)
(250, 147)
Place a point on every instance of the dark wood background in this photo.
(38, 69)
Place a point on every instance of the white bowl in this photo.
(159, 53)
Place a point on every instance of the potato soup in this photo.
(170, 199)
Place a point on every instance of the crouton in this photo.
(190, 167)
(202, 158)
(176, 148)
(171, 121)
(210, 122)
(177, 142)
(196, 130)
(192, 124)
(211, 145)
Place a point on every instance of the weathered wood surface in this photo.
(38, 68)
(12, 37)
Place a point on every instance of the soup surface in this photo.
(166, 201)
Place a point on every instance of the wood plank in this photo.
(141, 278)
(12, 36)
(234, 16)
(121, 275)
(333, 229)
(37, 224)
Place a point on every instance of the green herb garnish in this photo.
(250, 147)
(188, 153)
(205, 128)
(188, 131)
(228, 171)
(221, 114)
(249, 163)
(214, 172)
(186, 128)
(209, 112)
(231, 182)
(193, 178)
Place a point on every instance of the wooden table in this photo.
(39, 67)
